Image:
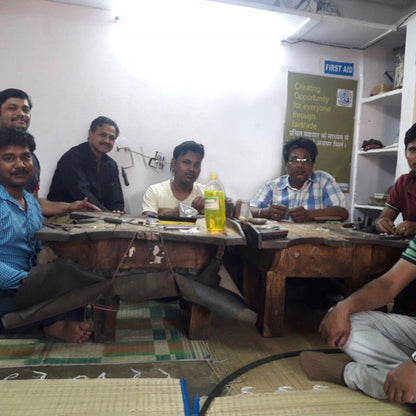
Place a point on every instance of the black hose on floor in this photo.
(218, 388)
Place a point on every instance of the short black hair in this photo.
(410, 135)
(300, 143)
(10, 136)
(188, 146)
(99, 121)
(14, 93)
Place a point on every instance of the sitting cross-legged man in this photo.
(382, 346)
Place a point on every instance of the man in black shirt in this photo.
(86, 171)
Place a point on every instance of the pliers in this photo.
(63, 227)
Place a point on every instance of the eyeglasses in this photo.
(297, 161)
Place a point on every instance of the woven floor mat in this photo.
(339, 402)
(107, 397)
(146, 332)
(227, 358)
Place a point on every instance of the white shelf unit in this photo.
(376, 169)
(389, 99)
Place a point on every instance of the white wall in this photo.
(68, 59)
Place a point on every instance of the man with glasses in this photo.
(302, 194)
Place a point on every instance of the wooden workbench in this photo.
(310, 250)
(113, 248)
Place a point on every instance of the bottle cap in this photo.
(213, 176)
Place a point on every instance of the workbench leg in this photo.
(199, 322)
(272, 322)
(250, 285)
(105, 319)
(361, 268)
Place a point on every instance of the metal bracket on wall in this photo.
(155, 162)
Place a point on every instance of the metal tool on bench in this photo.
(117, 220)
(67, 226)
(63, 227)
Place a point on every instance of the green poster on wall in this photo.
(322, 109)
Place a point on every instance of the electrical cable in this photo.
(218, 388)
(334, 45)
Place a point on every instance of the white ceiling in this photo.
(107, 4)
(361, 23)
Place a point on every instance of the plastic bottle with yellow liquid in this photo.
(214, 196)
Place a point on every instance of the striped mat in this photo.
(146, 332)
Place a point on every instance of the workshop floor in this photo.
(232, 344)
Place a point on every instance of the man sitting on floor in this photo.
(20, 216)
(382, 346)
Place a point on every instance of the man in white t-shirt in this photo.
(165, 197)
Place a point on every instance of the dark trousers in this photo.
(50, 293)
(8, 304)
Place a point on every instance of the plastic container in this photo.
(245, 209)
(214, 196)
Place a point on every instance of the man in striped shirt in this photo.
(381, 345)
(302, 194)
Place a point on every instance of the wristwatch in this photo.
(413, 357)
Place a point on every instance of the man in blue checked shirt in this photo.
(302, 194)
(20, 218)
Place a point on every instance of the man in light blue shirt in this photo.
(20, 217)
(302, 194)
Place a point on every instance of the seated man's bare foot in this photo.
(69, 331)
(324, 367)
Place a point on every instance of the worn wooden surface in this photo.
(99, 229)
(330, 234)
(312, 251)
(103, 246)
(109, 253)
